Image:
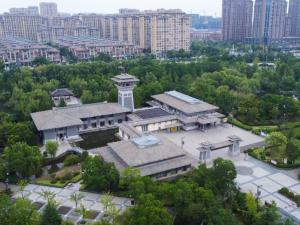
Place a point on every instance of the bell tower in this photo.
(125, 84)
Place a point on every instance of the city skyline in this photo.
(212, 8)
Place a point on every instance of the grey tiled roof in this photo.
(134, 156)
(72, 115)
(61, 92)
(153, 160)
(184, 106)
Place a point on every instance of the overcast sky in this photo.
(205, 7)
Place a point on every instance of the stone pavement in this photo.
(66, 207)
(253, 174)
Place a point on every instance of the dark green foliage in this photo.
(50, 215)
(38, 61)
(291, 195)
(71, 160)
(62, 102)
(149, 211)
(20, 212)
(98, 175)
(23, 160)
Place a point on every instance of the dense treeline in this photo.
(250, 93)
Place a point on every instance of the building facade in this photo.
(269, 20)
(156, 31)
(22, 26)
(294, 18)
(68, 122)
(31, 11)
(237, 19)
(22, 53)
(48, 9)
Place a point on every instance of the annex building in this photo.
(154, 156)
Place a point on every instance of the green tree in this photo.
(21, 212)
(98, 175)
(76, 197)
(23, 160)
(52, 148)
(277, 143)
(128, 176)
(38, 61)
(50, 215)
(148, 211)
(62, 102)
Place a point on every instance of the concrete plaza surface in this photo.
(66, 207)
(269, 180)
(193, 139)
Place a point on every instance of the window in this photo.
(94, 125)
(111, 122)
(120, 121)
(102, 123)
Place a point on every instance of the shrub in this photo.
(71, 160)
(68, 176)
(287, 193)
(84, 155)
(54, 168)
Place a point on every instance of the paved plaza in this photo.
(269, 180)
(91, 201)
(193, 139)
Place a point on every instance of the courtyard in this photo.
(91, 201)
(193, 139)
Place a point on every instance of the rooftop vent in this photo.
(145, 141)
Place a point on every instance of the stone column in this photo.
(234, 149)
(205, 152)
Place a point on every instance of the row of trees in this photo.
(203, 196)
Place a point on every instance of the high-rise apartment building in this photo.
(158, 31)
(269, 20)
(22, 26)
(237, 19)
(31, 10)
(294, 18)
(170, 30)
(48, 9)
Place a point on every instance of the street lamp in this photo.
(6, 182)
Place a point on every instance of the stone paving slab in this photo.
(66, 192)
(91, 196)
(30, 187)
(268, 184)
(240, 179)
(296, 189)
(283, 179)
(250, 187)
(244, 163)
(283, 205)
(296, 214)
(260, 172)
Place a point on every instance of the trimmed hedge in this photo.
(290, 195)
